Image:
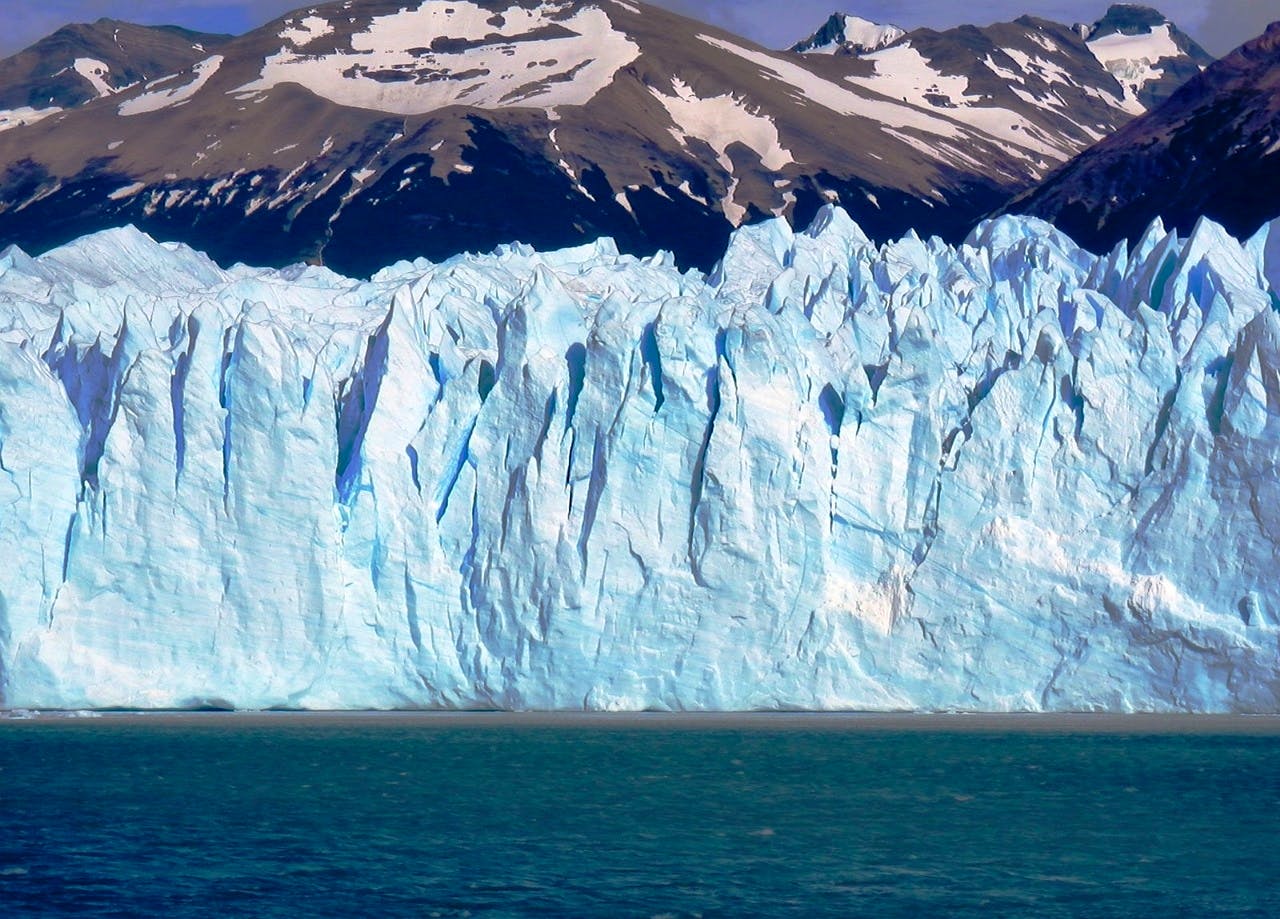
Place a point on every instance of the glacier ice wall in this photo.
(1010, 475)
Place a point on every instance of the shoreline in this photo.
(866, 722)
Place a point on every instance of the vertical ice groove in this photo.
(177, 390)
(411, 452)
(224, 402)
(832, 475)
(653, 363)
(357, 408)
(450, 480)
(698, 479)
(595, 489)
(576, 361)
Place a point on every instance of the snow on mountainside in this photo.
(1010, 475)
(81, 63)
(844, 34)
(477, 58)
(1212, 149)
(355, 131)
(1035, 85)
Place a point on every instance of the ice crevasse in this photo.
(1010, 475)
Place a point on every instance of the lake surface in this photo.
(786, 815)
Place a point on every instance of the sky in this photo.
(1219, 25)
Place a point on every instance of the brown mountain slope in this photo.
(80, 63)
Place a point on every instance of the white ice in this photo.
(1007, 475)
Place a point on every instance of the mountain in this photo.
(1044, 90)
(845, 34)
(1212, 149)
(1149, 55)
(80, 63)
(1009, 475)
(364, 130)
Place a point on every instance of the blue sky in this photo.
(1218, 24)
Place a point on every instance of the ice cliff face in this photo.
(1010, 475)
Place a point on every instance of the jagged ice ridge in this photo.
(1009, 475)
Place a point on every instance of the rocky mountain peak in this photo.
(844, 33)
(1147, 53)
(1127, 19)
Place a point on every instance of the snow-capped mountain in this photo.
(80, 63)
(1212, 149)
(1149, 55)
(1009, 475)
(361, 130)
(846, 34)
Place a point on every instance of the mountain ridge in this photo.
(81, 62)
(336, 134)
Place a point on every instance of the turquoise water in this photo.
(433, 816)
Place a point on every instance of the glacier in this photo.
(1009, 475)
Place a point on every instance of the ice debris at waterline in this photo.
(1011, 475)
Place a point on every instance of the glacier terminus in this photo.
(830, 474)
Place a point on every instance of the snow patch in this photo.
(478, 62)
(162, 99)
(734, 212)
(96, 73)
(18, 117)
(127, 192)
(1045, 69)
(300, 33)
(721, 121)
(902, 72)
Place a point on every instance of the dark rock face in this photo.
(1127, 19)
(1212, 149)
(831, 33)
